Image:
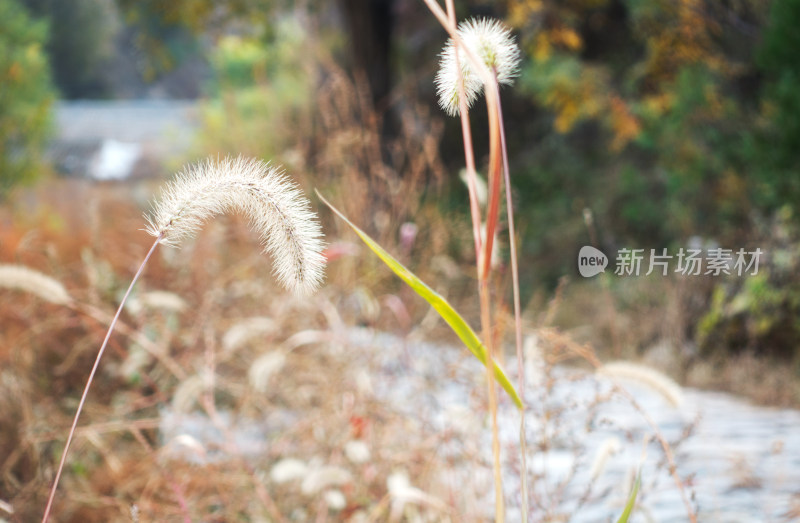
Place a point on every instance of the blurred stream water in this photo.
(106, 139)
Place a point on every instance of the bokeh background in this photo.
(633, 124)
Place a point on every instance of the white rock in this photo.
(324, 477)
(335, 499)
(287, 470)
(357, 451)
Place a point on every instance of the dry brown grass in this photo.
(317, 402)
(651, 322)
(87, 237)
(119, 460)
(314, 405)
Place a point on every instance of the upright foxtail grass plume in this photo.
(277, 210)
(491, 43)
(452, 70)
(608, 448)
(481, 55)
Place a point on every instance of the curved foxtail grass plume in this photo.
(607, 449)
(651, 378)
(277, 210)
(491, 43)
(24, 279)
(275, 206)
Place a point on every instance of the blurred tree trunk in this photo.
(370, 24)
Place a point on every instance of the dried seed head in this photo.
(447, 79)
(277, 209)
(157, 300)
(493, 44)
(245, 330)
(24, 279)
(608, 448)
(262, 370)
(288, 469)
(188, 393)
(647, 376)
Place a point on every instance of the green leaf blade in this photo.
(631, 500)
(437, 301)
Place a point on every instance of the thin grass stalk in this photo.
(91, 378)
(469, 154)
(484, 270)
(512, 241)
(145, 342)
(486, 325)
(665, 446)
(484, 257)
(588, 354)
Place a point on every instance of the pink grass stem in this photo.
(91, 377)
(469, 154)
(512, 241)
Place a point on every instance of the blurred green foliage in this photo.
(167, 32)
(260, 92)
(775, 151)
(761, 313)
(666, 119)
(26, 94)
(80, 43)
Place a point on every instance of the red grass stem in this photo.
(493, 210)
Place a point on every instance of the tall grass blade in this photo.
(445, 310)
(631, 500)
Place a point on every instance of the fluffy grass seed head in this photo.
(28, 280)
(608, 448)
(188, 393)
(651, 378)
(244, 331)
(492, 43)
(157, 301)
(262, 370)
(275, 206)
(447, 79)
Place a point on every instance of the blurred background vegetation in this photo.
(634, 123)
